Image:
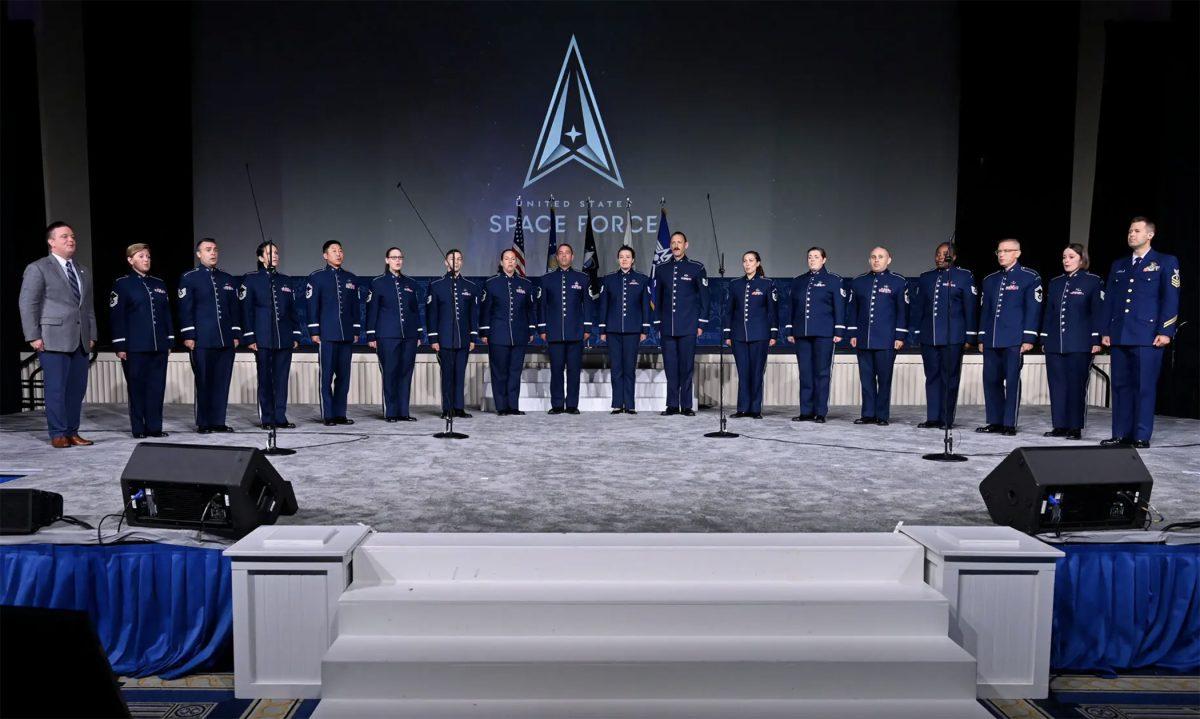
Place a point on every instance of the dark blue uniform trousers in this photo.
(274, 366)
(679, 361)
(454, 377)
(622, 357)
(1067, 376)
(65, 375)
(506, 363)
(875, 375)
(565, 357)
(1135, 382)
(334, 359)
(751, 361)
(1002, 385)
(943, 368)
(213, 368)
(814, 358)
(146, 377)
(397, 359)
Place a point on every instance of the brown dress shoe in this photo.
(60, 442)
(78, 441)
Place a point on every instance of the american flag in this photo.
(518, 244)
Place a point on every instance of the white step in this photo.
(639, 668)
(506, 608)
(534, 390)
(681, 557)
(651, 709)
(586, 404)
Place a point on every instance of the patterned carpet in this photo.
(1122, 697)
(204, 696)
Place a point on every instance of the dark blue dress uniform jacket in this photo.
(452, 321)
(751, 310)
(332, 295)
(508, 310)
(208, 308)
(141, 314)
(624, 303)
(1074, 314)
(270, 319)
(1144, 301)
(1011, 312)
(680, 297)
(816, 306)
(394, 308)
(565, 305)
(877, 313)
(944, 308)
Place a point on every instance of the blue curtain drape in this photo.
(159, 609)
(1127, 606)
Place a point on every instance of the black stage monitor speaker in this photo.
(1060, 489)
(25, 511)
(227, 491)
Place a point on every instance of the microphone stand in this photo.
(272, 447)
(720, 433)
(947, 454)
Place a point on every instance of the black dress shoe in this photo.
(618, 410)
(866, 420)
(572, 410)
(158, 435)
(391, 419)
(285, 425)
(688, 412)
(1140, 444)
(266, 425)
(204, 430)
(670, 411)
(138, 435)
(819, 419)
(930, 424)
(462, 414)
(1072, 434)
(631, 411)
(343, 420)
(222, 428)
(1008, 431)
(501, 413)
(803, 418)
(1056, 432)
(756, 415)
(407, 418)
(331, 423)
(516, 413)
(738, 415)
(989, 429)
(882, 422)
(556, 410)
(444, 416)
(1114, 442)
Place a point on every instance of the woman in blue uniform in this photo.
(140, 310)
(751, 326)
(815, 319)
(1071, 326)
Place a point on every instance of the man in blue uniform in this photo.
(1071, 326)
(210, 325)
(681, 313)
(750, 325)
(394, 331)
(271, 329)
(877, 322)
(333, 324)
(564, 309)
(1008, 326)
(452, 316)
(508, 323)
(814, 316)
(623, 321)
(1143, 313)
(140, 310)
(943, 320)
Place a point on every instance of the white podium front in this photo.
(1000, 583)
(286, 585)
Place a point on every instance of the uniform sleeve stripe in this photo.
(185, 329)
(315, 325)
(1030, 332)
(119, 339)
(248, 332)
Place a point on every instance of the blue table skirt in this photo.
(1127, 606)
(159, 609)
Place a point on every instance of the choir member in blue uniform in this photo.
(210, 325)
(623, 321)
(1070, 334)
(814, 316)
(333, 324)
(508, 313)
(943, 319)
(750, 323)
(452, 322)
(271, 329)
(564, 309)
(1142, 312)
(1009, 319)
(681, 313)
(877, 322)
(394, 331)
(140, 309)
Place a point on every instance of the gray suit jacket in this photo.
(48, 309)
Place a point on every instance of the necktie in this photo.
(74, 281)
(1136, 261)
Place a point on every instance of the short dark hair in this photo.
(451, 251)
(50, 228)
(202, 240)
(329, 243)
(262, 246)
(1084, 260)
(622, 248)
(1139, 218)
(818, 249)
(680, 233)
(566, 245)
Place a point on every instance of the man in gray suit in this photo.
(59, 322)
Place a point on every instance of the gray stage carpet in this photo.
(602, 473)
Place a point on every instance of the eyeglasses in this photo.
(395, 257)
(1002, 252)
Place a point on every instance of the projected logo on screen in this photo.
(573, 129)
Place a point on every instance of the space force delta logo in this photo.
(573, 130)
